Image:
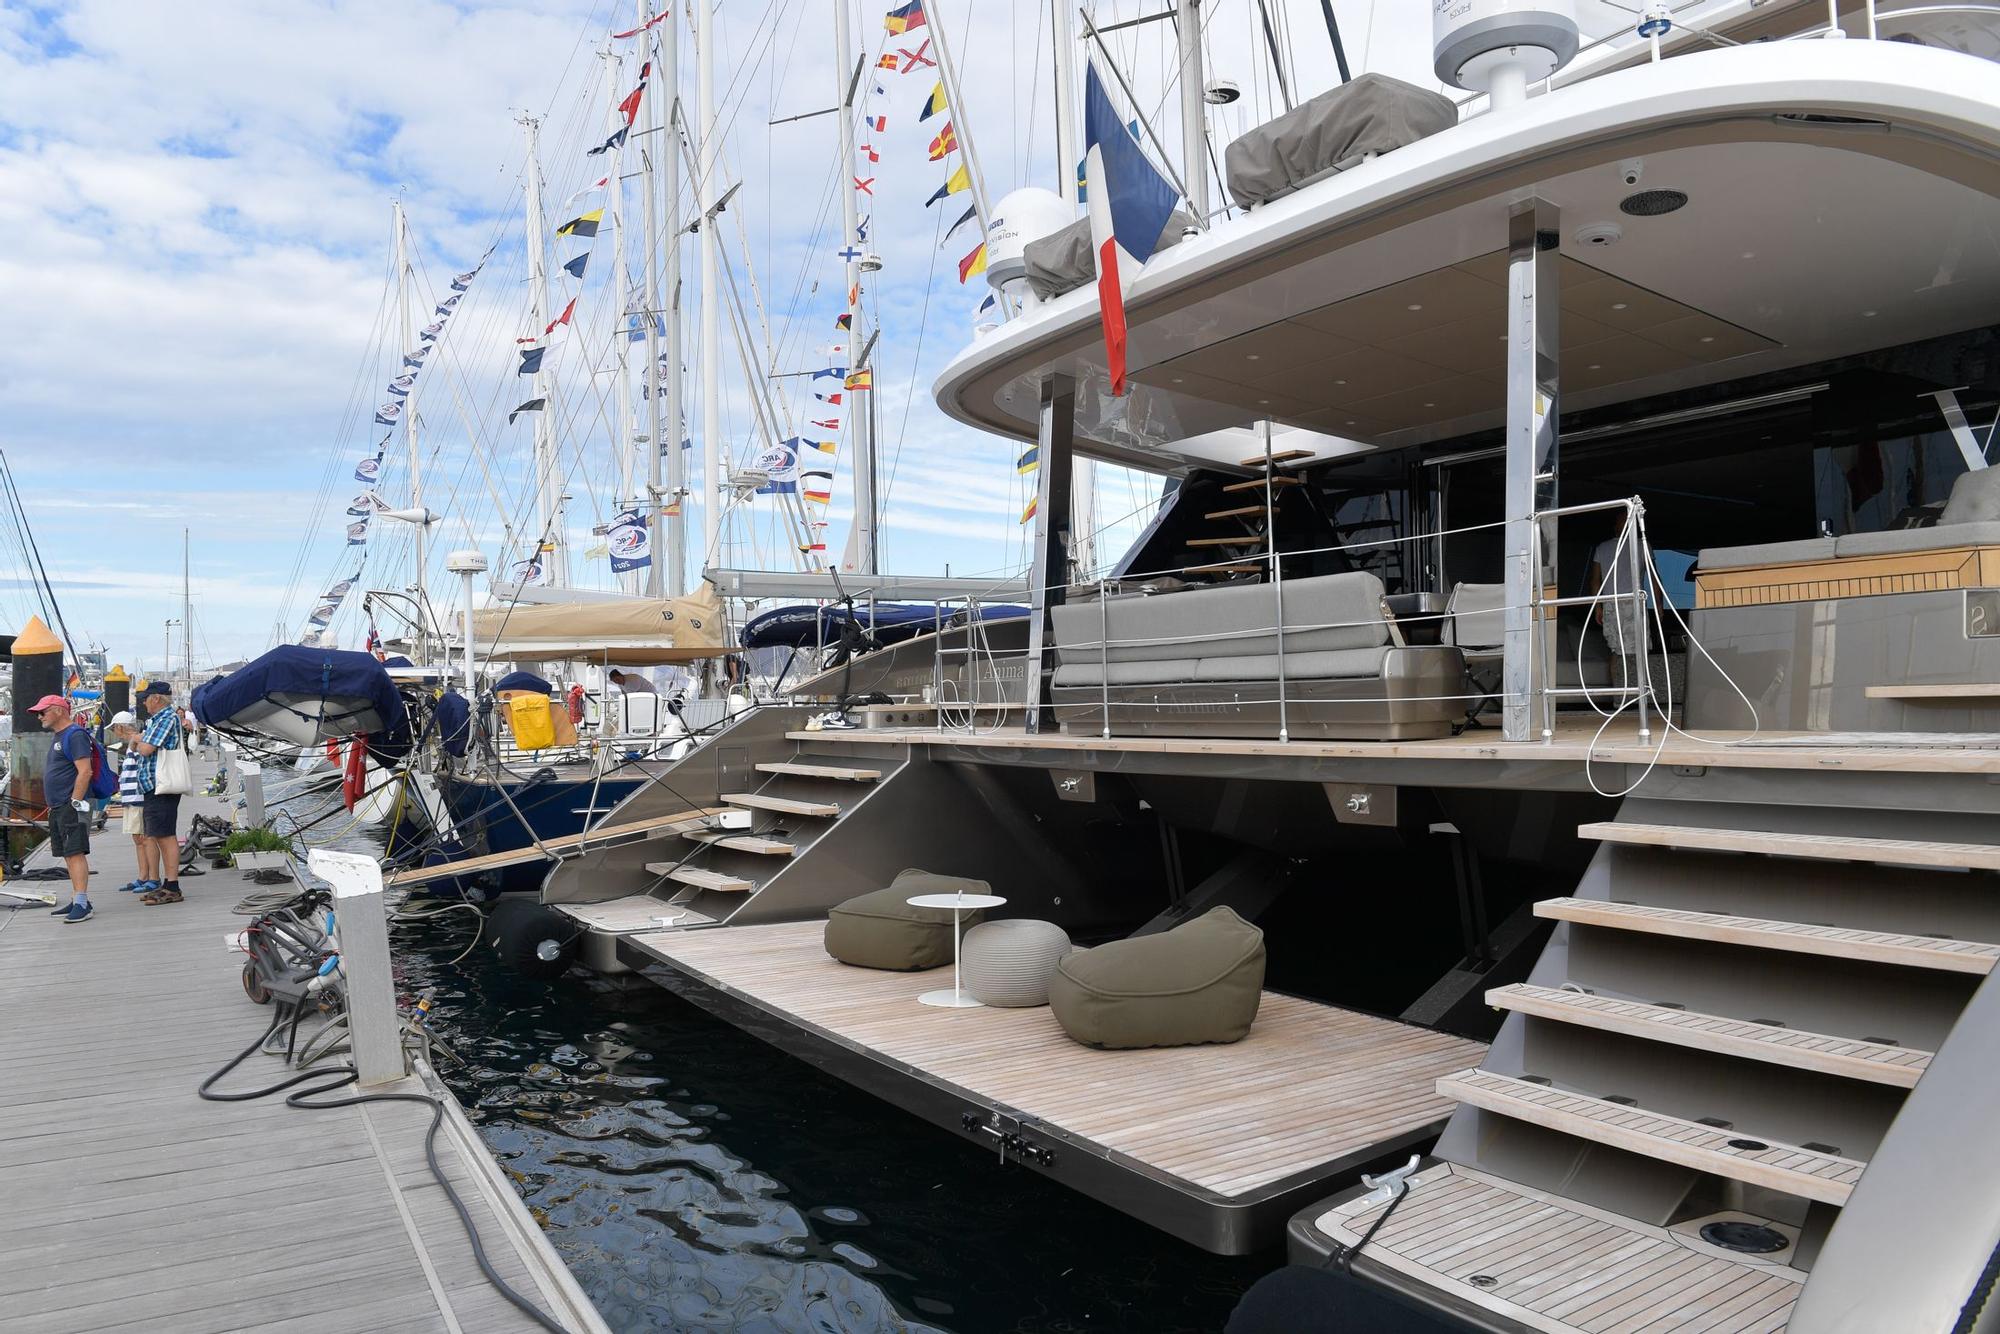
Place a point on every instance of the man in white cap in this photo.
(66, 792)
(131, 803)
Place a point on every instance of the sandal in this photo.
(160, 896)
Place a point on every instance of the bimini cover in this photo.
(810, 625)
(627, 632)
(304, 696)
(1064, 261)
(1371, 114)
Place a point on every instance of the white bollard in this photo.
(253, 794)
(361, 934)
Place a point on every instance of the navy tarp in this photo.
(522, 681)
(454, 718)
(808, 625)
(304, 695)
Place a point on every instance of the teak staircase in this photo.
(1734, 1006)
(1249, 523)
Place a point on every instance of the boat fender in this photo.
(534, 940)
(354, 779)
(576, 704)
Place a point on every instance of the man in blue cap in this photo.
(160, 811)
(66, 792)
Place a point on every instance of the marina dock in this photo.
(134, 1205)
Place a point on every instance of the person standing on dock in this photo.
(131, 802)
(66, 792)
(161, 811)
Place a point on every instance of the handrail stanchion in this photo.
(1104, 653)
(1277, 579)
(1639, 592)
(1542, 670)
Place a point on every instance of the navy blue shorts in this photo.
(161, 814)
(69, 832)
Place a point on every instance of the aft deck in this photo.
(1216, 1144)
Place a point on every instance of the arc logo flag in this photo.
(1130, 202)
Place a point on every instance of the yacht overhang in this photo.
(1841, 196)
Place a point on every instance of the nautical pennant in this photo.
(887, 61)
(945, 142)
(933, 104)
(904, 17)
(818, 491)
(832, 424)
(844, 320)
(1029, 461)
(574, 268)
(831, 372)
(590, 189)
(861, 379)
(532, 405)
(877, 123)
(861, 226)
(1129, 209)
(1027, 514)
(630, 106)
(561, 319)
(582, 225)
(866, 185)
(971, 211)
(658, 18)
(617, 140)
(973, 263)
(531, 360)
(957, 183)
(868, 150)
(828, 398)
(848, 254)
(823, 446)
(917, 59)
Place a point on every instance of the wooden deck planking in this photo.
(135, 1206)
(1310, 1084)
(1817, 847)
(1832, 942)
(1559, 1266)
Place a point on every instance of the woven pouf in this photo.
(1010, 962)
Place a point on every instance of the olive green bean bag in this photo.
(1199, 982)
(881, 929)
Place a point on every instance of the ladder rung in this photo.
(1819, 847)
(802, 770)
(785, 805)
(1724, 1153)
(1282, 456)
(1852, 1058)
(1261, 483)
(1833, 942)
(1243, 511)
(770, 847)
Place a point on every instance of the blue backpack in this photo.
(103, 778)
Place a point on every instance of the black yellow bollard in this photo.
(38, 671)
(117, 692)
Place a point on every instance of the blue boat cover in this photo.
(454, 718)
(522, 681)
(342, 692)
(810, 624)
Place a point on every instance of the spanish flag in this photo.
(934, 103)
(863, 379)
(957, 183)
(973, 263)
(584, 225)
(905, 17)
(946, 142)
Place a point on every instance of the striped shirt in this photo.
(128, 780)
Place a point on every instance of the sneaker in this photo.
(78, 912)
(139, 887)
(60, 912)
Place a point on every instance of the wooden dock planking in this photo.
(1558, 1266)
(134, 1205)
(1310, 1084)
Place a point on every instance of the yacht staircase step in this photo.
(700, 879)
(1241, 512)
(1243, 540)
(1226, 567)
(1833, 942)
(1819, 847)
(1263, 483)
(1852, 1058)
(1543, 1262)
(1810, 1173)
(770, 847)
(798, 769)
(1282, 456)
(783, 805)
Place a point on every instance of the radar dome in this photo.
(1499, 47)
(1023, 216)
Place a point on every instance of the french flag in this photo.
(1130, 202)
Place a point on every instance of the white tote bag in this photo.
(171, 775)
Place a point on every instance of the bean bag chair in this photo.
(1199, 982)
(1010, 963)
(881, 929)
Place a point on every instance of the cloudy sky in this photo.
(197, 200)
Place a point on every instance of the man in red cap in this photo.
(66, 791)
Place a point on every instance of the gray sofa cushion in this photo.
(1065, 260)
(1767, 553)
(1238, 620)
(1478, 617)
(1370, 114)
(1335, 664)
(1975, 498)
(1200, 982)
(882, 930)
(1165, 671)
(1943, 537)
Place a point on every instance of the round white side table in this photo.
(954, 999)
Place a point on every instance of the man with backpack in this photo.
(160, 811)
(74, 770)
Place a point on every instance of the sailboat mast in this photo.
(420, 554)
(711, 293)
(1194, 125)
(621, 385)
(861, 543)
(663, 576)
(1083, 474)
(187, 621)
(548, 487)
